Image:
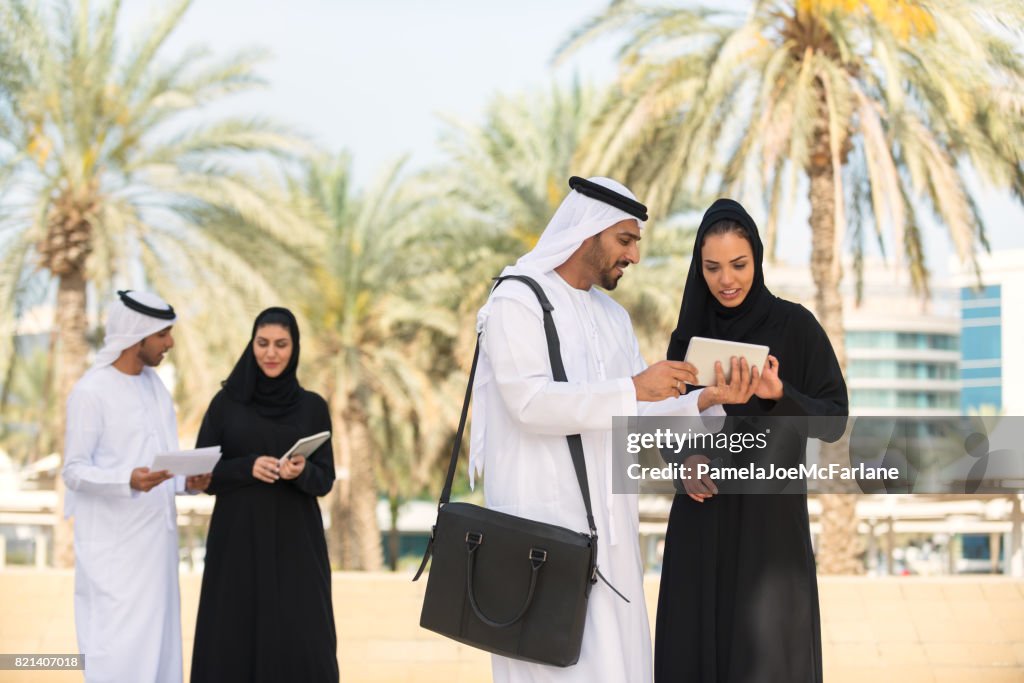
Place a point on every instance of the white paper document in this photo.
(187, 463)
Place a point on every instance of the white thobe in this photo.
(529, 473)
(127, 607)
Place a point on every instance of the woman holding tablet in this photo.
(265, 609)
(739, 598)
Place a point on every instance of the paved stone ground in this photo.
(906, 630)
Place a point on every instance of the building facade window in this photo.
(864, 368)
(895, 398)
(887, 339)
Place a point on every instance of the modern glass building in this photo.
(961, 351)
(903, 353)
(992, 333)
(981, 367)
(902, 364)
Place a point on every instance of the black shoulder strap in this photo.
(574, 440)
(557, 373)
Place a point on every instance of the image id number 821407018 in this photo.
(41, 662)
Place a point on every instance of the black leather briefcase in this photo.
(508, 585)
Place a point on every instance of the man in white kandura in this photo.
(120, 415)
(521, 416)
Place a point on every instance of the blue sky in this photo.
(372, 77)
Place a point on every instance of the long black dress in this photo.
(265, 611)
(739, 601)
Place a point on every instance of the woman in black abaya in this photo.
(265, 609)
(739, 599)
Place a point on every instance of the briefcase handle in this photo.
(537, 558)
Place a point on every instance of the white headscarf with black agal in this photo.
(130, 319)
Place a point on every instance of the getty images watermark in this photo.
(670, 442)
(756, 455)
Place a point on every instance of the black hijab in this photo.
(700, 314)
(247, 383)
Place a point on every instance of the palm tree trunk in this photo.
(339, 544)
(337, 499)
(50, 437)
(354, 513)
(363, 520)
(839, 543)
(5, 389)
(72, 352)
(394, 502)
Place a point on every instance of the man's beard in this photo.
(150, 359)
(607, 278)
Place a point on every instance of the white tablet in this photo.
(703, 353)
(306, 445)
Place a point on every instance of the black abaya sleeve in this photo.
(211, 431)
(228, 474)
(822, 391)
(232, 474)
(317, 477)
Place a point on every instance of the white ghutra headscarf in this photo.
(130, 319)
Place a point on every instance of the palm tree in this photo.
(881, 108)
(109, 178)
(383, 336)
(504, 178)
(415, 445)
(27, 409)
(502, 181)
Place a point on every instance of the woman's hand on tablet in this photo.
(293, 466)
(770, 386)
(664, 379)
(266, 469)
(740, 387)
